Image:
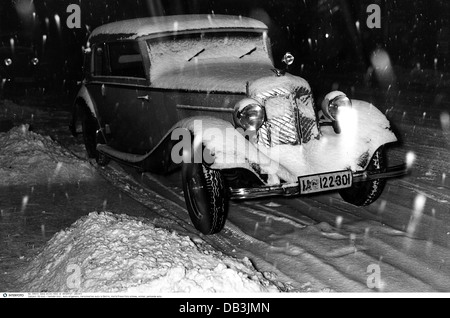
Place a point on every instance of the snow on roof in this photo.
(136, 28)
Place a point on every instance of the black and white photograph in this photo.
(224, 148)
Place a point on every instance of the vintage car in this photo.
(202, 92)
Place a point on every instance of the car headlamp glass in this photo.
(249, 114)
(333, 102)
(8, 62)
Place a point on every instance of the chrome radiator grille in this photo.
(286, 121)
(279, 131)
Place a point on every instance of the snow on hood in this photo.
(27, 158)
(212, 76)
(110, 253)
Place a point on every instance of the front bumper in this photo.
(293, 189)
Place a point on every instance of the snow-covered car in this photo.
(202, 92)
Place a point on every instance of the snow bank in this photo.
(103, 252)
(27, 158)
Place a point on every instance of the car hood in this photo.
(211, 76)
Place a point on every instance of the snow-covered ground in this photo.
(315, 243)
(105, 252)
(27, 158)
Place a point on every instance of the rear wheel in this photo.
(205, 195)
(89, 127)
(366, 193)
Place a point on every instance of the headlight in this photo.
(8, 62)
(249, 114)
(35, 61)
(332, 102)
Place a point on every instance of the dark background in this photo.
(322, 34)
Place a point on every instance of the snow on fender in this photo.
(229, 148)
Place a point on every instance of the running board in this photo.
(124, 156)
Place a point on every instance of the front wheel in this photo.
(366, 193)
(205, 195)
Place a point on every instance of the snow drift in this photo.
(27, 158)
(109, 253)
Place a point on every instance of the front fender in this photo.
(229, 148)
(364, 130)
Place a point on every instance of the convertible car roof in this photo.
(137, 28)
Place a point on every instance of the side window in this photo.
(100, 61)
(126, 60)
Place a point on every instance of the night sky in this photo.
(322, 34)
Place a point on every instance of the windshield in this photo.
(179, 50)
(213, 61)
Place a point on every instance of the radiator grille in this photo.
(279, 131)
(286, 123)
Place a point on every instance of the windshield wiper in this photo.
(196, 55)
(248, 53)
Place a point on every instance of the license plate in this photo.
(325, 182)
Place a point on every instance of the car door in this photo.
(130, 115)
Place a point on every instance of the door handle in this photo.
(146, 97)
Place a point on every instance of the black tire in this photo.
(366, 193)
(205, 195)
(89, 130)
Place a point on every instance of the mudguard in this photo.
(83, 94)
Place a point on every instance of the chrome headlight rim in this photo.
(249, 114)
(332, 102)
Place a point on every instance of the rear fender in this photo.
(83, 99)
(85, 96)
